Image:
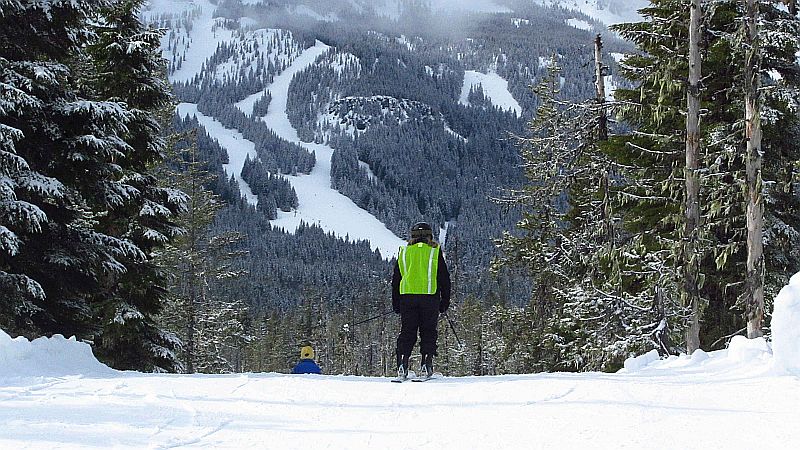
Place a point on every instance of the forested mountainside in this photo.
(387, 97)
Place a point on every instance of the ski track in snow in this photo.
(565, 411)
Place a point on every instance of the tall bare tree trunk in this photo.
(600, 72)
(754, 282)
(691, 264)
(191, 304)
(600, 87)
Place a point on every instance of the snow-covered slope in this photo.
(608, 12)
(687, 403)
(55, 395)
(192, 42)
(235, 145)
(195, 37)
(494, 87)
(318, 203)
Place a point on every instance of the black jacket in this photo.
(442, 287)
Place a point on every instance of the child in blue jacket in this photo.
(307, 364)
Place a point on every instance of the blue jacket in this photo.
(307, 366)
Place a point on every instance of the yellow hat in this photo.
(307, 352)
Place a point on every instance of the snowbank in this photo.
(786, 327)
(781, 354)
(47, 357)
(744, 356)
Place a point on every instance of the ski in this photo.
(425, 376)
(401, 378)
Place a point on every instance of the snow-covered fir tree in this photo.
(589, 303)
(80, 214)
(209, 322)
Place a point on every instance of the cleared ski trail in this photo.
(318, 203)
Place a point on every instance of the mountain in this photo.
(358, 122)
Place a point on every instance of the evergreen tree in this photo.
(209, 323)
(128, 68)
(655, 111)
(76, 148)
(591, 306)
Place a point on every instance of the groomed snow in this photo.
(494, 87)
(54, 395)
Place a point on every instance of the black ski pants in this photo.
(418, 314)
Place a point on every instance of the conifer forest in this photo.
(635, 187)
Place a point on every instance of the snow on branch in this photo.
(23, 284)
(118, 194)
(41, 185)
(153, 209)
(24, 215)
(126, 312)
(117, 246)
(9, 242)
(99, 111)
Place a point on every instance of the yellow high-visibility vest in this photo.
(419, 264)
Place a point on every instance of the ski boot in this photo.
(402, 369)
(427, 365)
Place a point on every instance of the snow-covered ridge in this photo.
(609, 12)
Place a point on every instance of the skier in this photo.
(307, 364)
(420, 292)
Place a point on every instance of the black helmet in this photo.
(421, 230)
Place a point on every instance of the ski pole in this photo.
(373, 318)
(453, 328)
